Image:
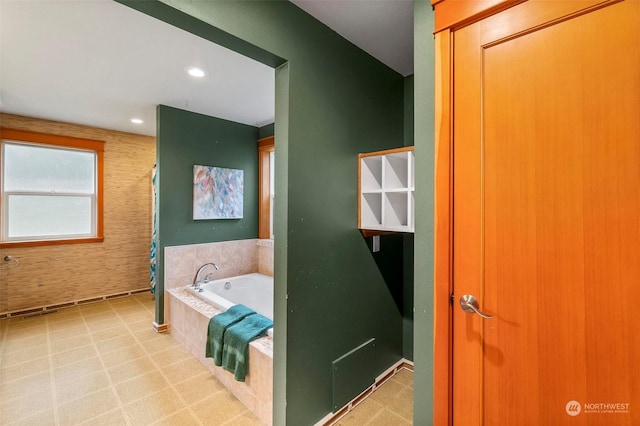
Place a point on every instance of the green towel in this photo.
(218, 325)
(235, 352)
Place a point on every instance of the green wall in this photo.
(333, 101)
(266, 131)
(408, 239)
(424, 114)
(185, 139)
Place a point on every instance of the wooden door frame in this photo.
(449, 16)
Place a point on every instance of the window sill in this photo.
(15, 244)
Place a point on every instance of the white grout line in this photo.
(53, 384)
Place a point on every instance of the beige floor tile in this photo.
(68, 332)
(107, 315)
(62, 324)
(16, 409)
(119, 302)
(387, 418)
(64, 345)
(74, 355)
(18, 357)
(404, 377)
(183, 370)
(70, 390)
(118, 330)
(131, 310)
(387, 391)
(129, 353)
(26, 343)
(115, 344)
(145, 298)
(131, 369)
(141, 325)
(402, 404)
(30, 385)
(44, 418)
(112, 321)
(245, 419)
(112, 418)
(135, 315)
(218, 409)
(147, 334)
(154, 407)
(73, 371)
(88, 407)
(199, 387)
(141, 387)
(18, 371)
(63, 314)
(164, 341)
(171, 356)
(88, 309)
(18, 333)
(181, 418)
(362, 413)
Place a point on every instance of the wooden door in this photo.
(546, 215)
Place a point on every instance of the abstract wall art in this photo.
(217, 193)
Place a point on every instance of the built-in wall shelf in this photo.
(386, 191)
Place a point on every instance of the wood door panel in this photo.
(546, 214)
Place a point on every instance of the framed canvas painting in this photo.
(217, 193)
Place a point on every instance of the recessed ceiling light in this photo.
(196, 72)
(136, 121)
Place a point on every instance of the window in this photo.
(266, 158)
(51, 189)
(272, 189)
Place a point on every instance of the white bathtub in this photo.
(252, 290)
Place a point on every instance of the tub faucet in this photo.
(196, 282)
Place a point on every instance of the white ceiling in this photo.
(100, 63)
(383, 28)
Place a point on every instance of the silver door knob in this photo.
(469, 303)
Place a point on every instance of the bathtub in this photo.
(252, 290)
(189, 313)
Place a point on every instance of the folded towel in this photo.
(235, 352)
(218, 325)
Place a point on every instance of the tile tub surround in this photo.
(189, 323)
(265, 257)
(233, 257)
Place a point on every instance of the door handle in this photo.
(469, 303)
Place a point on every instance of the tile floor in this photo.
(389, 405)
(102, 364)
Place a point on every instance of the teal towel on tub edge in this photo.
(218, 325)
(235, 351)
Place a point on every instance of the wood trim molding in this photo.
(443, 230)
(454, 14)
(15, 244)
(265, 147)
(45, 138)
(68, 142)
(386, 151)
